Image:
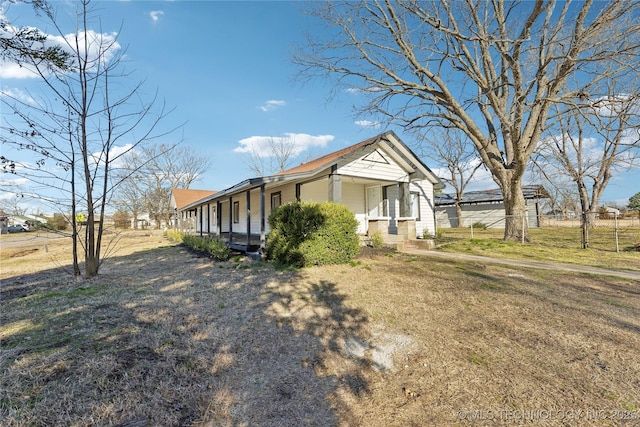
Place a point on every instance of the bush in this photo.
(438, 236)
(479, 225)
(377, 241)
(211, 246)
(122, 219)
(58, 222)
(310, 233)
(175, 235)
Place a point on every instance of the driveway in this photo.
(627, 274)
(28, 239)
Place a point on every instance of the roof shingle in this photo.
(185, 196)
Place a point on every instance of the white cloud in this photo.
(155, 15)
(261, 145)
(368, 124)
(14, 181)
(18, 95)
(7, 195)
(10, 70)
(103, 44)
(114, 155)
(358, 90)
(272, 105)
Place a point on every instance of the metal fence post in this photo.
(615, 226)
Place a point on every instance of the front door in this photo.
(374, 197)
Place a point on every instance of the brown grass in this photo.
(550, 244)
(164, 337)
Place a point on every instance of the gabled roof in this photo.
(313, 167)
(493, 195)
(328, 159)
(186, 196)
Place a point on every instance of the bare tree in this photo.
(590, 141)
(272, 157)
(149, 175)
(23, 45)
(492, 69)
(562, 198)
(78, 132)
(129, 196)
(451, 151)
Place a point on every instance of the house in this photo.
(388, 188)
(180, 197)
(486, 207)
(608, 212)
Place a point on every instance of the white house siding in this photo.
(287, 194)
(224, 209)
(255, 211)
(376, 164)
(208, 219)
(213, 218)
(426, 222)
(201, 219)
(353, 196)
(318, 191)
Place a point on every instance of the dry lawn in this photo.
(166, 338)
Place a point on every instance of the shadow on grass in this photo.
(163, 337)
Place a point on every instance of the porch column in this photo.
(219, 218)
(208, 218)
(404, 196)
(262, 219)
(230, 219)
(201, 215)
(298, 192)
(248, 218)
(335, 186)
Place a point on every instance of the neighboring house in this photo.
(486, 207)
(610, 212)
(388, 188)
(181, 197)
(141, 222)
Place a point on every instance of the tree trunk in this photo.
(516, 228)
(135, 219)
(90, 259)
(460, 223)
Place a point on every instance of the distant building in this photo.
(486, 207)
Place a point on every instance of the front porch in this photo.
(244, 242)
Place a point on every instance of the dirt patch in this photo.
(16, 253)
(163, 337)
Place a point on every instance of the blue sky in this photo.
(226, 68)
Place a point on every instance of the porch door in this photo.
(374, 197)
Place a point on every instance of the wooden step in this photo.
(421, 244)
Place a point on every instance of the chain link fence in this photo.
(601, 231)
(595, 231)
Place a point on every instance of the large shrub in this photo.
(215, 248)
(58, 222)
(310, 233)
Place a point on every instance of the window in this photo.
(236, 212)
(276, 200)
(415, 206)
